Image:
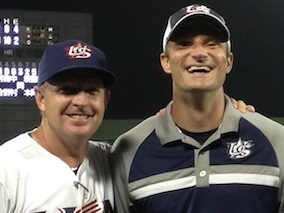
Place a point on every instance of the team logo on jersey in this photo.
(91, 207)
(239, 149)
(79, 51)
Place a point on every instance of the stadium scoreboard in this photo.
(19, 42)
(23, 37)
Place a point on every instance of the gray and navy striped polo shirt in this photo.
(238, 169)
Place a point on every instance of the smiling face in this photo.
(197, 61)
(72, 105)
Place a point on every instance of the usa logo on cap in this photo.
(78, 51)
(197, 7)
(70, 55)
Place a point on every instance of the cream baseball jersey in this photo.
(32, 180)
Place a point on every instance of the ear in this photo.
(164, 60)
(230, 60)
(107, 97)
(39, 97)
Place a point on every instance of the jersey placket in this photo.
(202, 161)
(83, 193)
(202, 168)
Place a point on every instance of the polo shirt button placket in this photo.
(202, 173)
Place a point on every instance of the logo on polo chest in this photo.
(239, 149)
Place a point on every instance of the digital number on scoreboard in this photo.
(21, 47)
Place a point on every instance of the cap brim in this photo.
(107, 77)
(203, 20)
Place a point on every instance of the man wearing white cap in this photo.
(201, 155)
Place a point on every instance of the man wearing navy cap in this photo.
(55, 167)
(201, 155)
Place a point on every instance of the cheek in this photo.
(56, 106)
(223, 62)
(98, 104)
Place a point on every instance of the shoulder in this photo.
(271, 129)
(98, 158)
(14, 154)
(99, 147)
(162, 127)
(258, 120)
(17, 143)
(140, 131)
(263, 123)
(146, 124)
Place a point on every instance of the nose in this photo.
(80, 99)
(199, 53)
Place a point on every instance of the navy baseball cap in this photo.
(73, 55)
(195, 13)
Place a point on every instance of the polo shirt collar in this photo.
(167, 131)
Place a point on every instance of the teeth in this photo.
(79, 116)
(198, 68)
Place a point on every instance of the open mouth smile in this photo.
(193, 69)
(79, 116)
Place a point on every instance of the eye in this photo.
(212, 44)
(67, 91)
(92, 90)
(183, 43)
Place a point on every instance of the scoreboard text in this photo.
(21, 47)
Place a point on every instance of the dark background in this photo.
(130, 31)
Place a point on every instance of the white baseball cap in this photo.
(195, 13)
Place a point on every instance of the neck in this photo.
(71, 153)
(199, 113)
